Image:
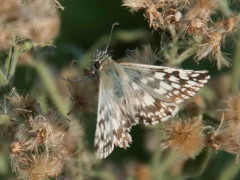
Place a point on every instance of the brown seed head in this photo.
(82, 95)
(184, 137)
(202, 9)
(23, 105)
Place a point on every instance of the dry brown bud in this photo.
(184, 137)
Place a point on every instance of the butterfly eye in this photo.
(97, 64)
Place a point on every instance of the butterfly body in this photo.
(131, 93)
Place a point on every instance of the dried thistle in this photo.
(30, 166)
(22, 105)
(227, 25)
(145, 55)
(34, 20)
(39, 150)
(160, 14)
(184, 137)
(232, 110)
(202, 9)
(212, 48)
(82, 95)
(226, 137)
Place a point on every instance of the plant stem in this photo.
(225, 7)
(11, 62)
(185, 55)
(236, 68)
(3, 79)
(49, 83)
(230, 171)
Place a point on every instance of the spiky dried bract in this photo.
(227, 137)
(228, 25)
(212, 48)
(232, 110)
(34, 20)
(24, 105)
(39, 150)
(160, 14)
(83, 96)
(145, 55)
(202, 9)
(184, 137)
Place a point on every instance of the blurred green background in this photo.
(85, 27)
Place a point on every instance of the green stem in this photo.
(224, 7)
(49, 83)
(8, 61)
(3, 79)
(236, 68)
(230, 171)
(185, 55)
(14, 58)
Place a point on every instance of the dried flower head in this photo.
(17, 147)
(23, 105)
(228, 25)
(184, 137)
(33, 167)
(39, 150)
(232, 110)
(145, 55)
(212, 48)
(202, 9)
(196, 26)
(82, 95)
(34, 20)
(225, 137)
(160, 14)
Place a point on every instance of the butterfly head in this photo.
(100, 58)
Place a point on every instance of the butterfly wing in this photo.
(113, 122)
(158, 90)
(129, 93)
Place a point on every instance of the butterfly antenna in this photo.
(110, 36)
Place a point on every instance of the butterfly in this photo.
(131, 93)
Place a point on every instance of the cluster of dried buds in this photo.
(39, 149)
(190, 18)
(188, 138)
(36, 20)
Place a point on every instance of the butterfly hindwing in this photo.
(162, 88)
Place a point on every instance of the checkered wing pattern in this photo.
(158, 90)
(131, 93)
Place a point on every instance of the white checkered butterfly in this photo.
(131, 93)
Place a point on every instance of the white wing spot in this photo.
(173, 79)
(165, 86)
(144, 81)
(177, 86)
(160, 91)
(148, 99)
(159, 75)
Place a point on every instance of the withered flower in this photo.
(184, 137)
(160, 14)
(83, 96)
(227, 137)
(22, 105)
(202, 9)
(212, 48)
